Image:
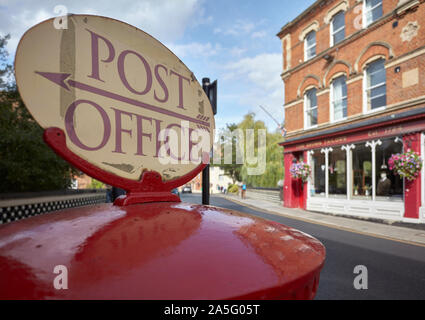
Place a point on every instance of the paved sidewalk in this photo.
(377, 229)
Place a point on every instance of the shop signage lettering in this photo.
(386, 131)
(322, 143)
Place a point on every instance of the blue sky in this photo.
(233, 41)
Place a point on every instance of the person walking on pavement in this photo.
(243, 193)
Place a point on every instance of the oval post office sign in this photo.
(116, 103)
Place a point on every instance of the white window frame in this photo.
(365, 88)
(331, 99)
(335, 31)
(422, 206)
(365, 10)
(305, 110)
(309, 180)
(306, 57)
(372, 144)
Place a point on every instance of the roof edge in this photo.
(299, 17)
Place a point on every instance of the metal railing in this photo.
(24, 205)
(268, 194)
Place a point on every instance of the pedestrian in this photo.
(243, 193)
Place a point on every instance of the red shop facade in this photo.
(350, 171)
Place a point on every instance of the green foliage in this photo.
(5, 68)
(233, 188)
(26, 162)
(274, 155)
(233, 169)
(95, 184)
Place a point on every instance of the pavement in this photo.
(407, 233)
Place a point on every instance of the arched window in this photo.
(372, 11)
(310, 108)
(310, 45)
(338, 28)
(375, 89)
(339, 98)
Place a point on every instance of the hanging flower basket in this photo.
(406, 165)
(300, 170)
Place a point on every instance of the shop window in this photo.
(375, 85)
(310, 108)
(318, 173)
(388, 185)
(310, 45)
(337, 173)
(369, 177)
(372, 11)
(338, 28)
(362, 172)
(339, 99)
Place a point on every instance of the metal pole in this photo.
(206, 170)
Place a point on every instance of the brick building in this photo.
(354, 78)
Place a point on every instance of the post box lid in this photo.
(157, 251)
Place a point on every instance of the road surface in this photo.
(395, 270)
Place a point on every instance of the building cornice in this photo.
(300, 17)
(399, 10)
(368, 124)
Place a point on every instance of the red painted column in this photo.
(288, 184)
(304, 186)
(412, 192)
(295, 194)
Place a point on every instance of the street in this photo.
(395, 270)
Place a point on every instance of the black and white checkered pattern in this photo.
(13, 213)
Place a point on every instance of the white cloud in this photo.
(261, 76)
(258, 34)
(17, 24)
(241, 27)
(263, 69)
(237, 51)
(195, 49)
(165, 20)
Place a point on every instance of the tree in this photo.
(95, 184)
(233, 169)
(274, 155)
(26, 162)
(5, 68)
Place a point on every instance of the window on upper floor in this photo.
(372, 11)
(310, 108)
(338, 28)
(310, 45)
(375, 85)
(338, 99)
